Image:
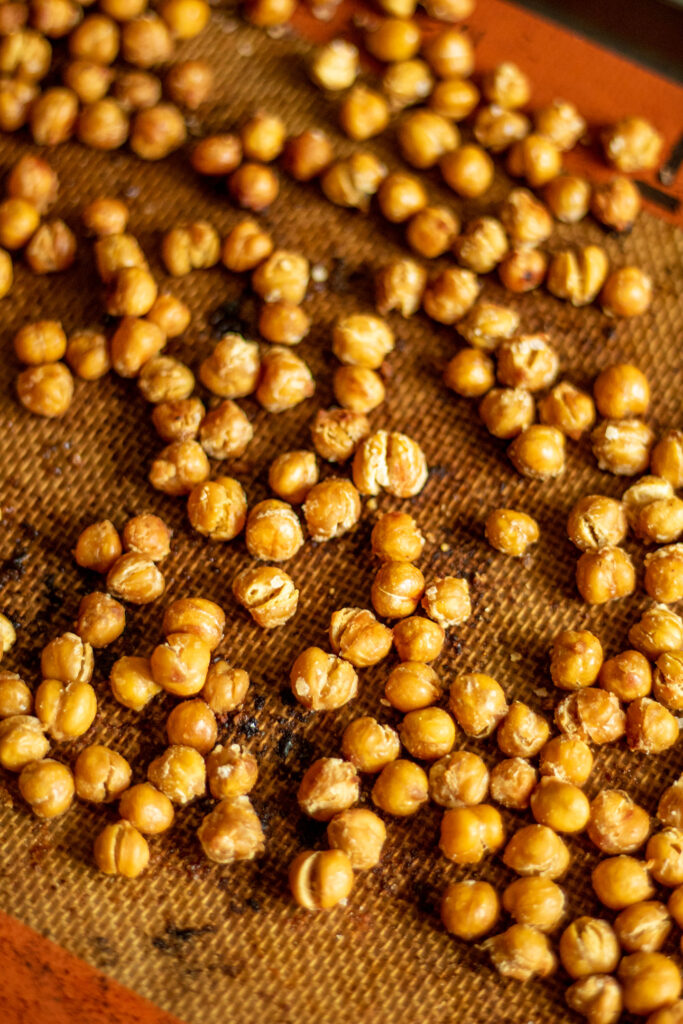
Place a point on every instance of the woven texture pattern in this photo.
(212, 944)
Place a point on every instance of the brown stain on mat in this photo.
(213, 944)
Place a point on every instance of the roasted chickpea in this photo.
(33, 180)
(393, 39)
(283, 277)
(622, 391)
(470, 909)
(263, 137)
(617, 824)
(560, 805)
(132, 683)
(396, 537)
(432, 230)
(454, 98)
(180, 664)
(364, 113)
(522, 953)
(218, 508)
(507, 412)
(650, 727)
(133, 343)
(568, 197)
(192, 723)
(231, 772)
(650, 981)
(457, 779)
(643, 926)
(43, 341)
(225, 431)
(627, 675)
(482, 244)
(522, 732)
(478, 703)
(528, 361)
(525, 218)
(146, 41)
(292, 475)
(627, 292)
(660, 521)
(622, 881)
(8, 634)
(233, 368)
(179, 773)
(186, 18)
(95, 39)
(589, 946)
(668, 680)
(447, 601)
(575, 659)
(66, 710)
(538, 452)
(369, 745)
(577, 275)
(46, 390)
(667, 457)
(16, 99)
(470, 373)
(6, 273)
(48, 787)
(412, 685)
(418, 639)
(332, 508)
(190, 247)
(616, 203)
(664, 574)
(506, 86)
(273, 531)
(15, 696)
(632, 144)
(450, 295)
(353, 182)
(569, 409)
(535, 158)
(225, 688)
(450, 54)
(307, 155)
(670, 807)
(468, 170)
(428, 733)
(357, 636)
(510, 531)
(591, 714)
(496, 129)
(101, 775)
(359, 834)
(198, 616)
(147, 535)
(622, 446)
(165, 379)
(178, 421)
(407, 82)
(217, 155)
(400, 285)
(362, 340)
(157, 131)
(87, 353)
(269, 595)
(401, 788)
(19, 220)
(283, 323)
(231, 832)
(512, 783)
(121, 850)
(397, 589)
(537, 850)
(25, 54)
(102, 124)
(522, 270)
(424, 137)
(597, 522)
(179, 468)
(190, 83)
(101, 620)
(22, 740)
(328, 786)
(320, 880)
(336, 433)
(322, 681)
(401, 196)
(147, 809)
(535, 901)
(468, 834)
(659, 630)
(137, 90)
(335, 65)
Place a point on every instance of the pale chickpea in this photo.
(643, 927)
(632, 144)
(506, 86)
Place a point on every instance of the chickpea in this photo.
(449, 10)
(418, 639)
(328, 786)
(269, 595)
(121, 850)
(114, 253)
(283, 277)
(622, 881)
(591, 714)
(396, 537)
(16, 98)
(470, 373)
(560, 805)
(401, 196)
(148, 535)
(66, 710)
(269, 13)
(359, 834)
(454, 98)
(632, 144)
(147, 809)
(19, 220)
(225, 688)
(335, 66)
(336, 433)
(307, 155)
(400, 285)
(33, 180)
(6, 272)
(133, 343)
(407, 82)
(622, 391)
(674, 904)
(43, 341)
(428, 733)
(538, 452)
(458, 778)
(353, 182)
(225, 432)
(68, 659)
(146, 41)
(506, 86)
(95, 39)
(522, 732)
(447, 601)
(650, 981)
(179, 773)
(48, 787)
(358, 388)
(482, 245)
(231, 771)
(263, 137)
(487, 324)
(643, 926)
(642, 493)
(157, 131)
(589, 946)
(525, 218)
(432, 230)
(179, 468)
(137, 90)
(362, 340)
(577, 275)
(232, 831)
(450, 295)
(198, 616)
(8, 634)
(537, 850)
(178, 421)
(535, 158)
(616, 203)
(273, 531)
(190, 83)
(22, 740)
(667, 457)
(180, 665)
(218, 508)
(627, 675)
(87, 353)
(507, 412)
(477, 702)
(668, 1014)
(356, 635)
(575, 659)
(25, 54)
(450, 54)
(190, 247)
(192, 723)
(468, 170)
(321, 880)
(101, 620)
(569, 409)
(46, 390)
(512, 783)
(401, 788)
(522, 953)
(528, 361)
(233, 368)
(650, 728)
(522, 270)
(101, 775)
(332, 508)
(627, 292)
(322, 681)
(412, 685)
(617, 824)
(568, 197)
(470, 909)
(668, 680)
(536, 902)
(661, 521)
(597, 522)
(292, 475)
(15, 696)
(283, 323)
(217, 155)
(165, 379)
(132, 683)
(669, 809)
(622, 447)
(393, 39)
(102, 124)
(369, 745)
(424, 137)
(664, 574)
(397, 589)
(363, 114)
(132, 292)
(170, 314)
(496, 129)
(186, 18)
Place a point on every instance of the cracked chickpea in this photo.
(496, 129)
(363, 113)
(664, 856)
(332, 508)
(52, 248)
(101, 774)
(432, 231)
(180, 664)
(562, 123)
(101, 619)
(225, 688)
(412, 685)
(538, 452)
(622, 446)
(569, 409)
(362, 340)
(401, 196)
(233, 368)
(664, 574)
(147, 535)
(481, 245)
(617, 824)
(535, 901)
(522, 952)
(369, 745)
(283, 323)
(273, 531)
(190, 247)
(179, 467)
(512, 782)
(328, 786)
(660, 521)
(535, 158)
(225, 431)
(616, 203)
(120, 849)
(15, 696)
(132, 683)
(66, 710)
(179, 773)
(447, 601)
(319, 880)
(218, 508)
(588, 946)
(591, 714)
(658, 630)
(670, 806)
(336, 433)
(137, 90)
(527, 361)
(232, 832)
(506, 86)
(354, 181)
(522, 732)
(458, 779)
(114, 252)
(397, 589)
(668, 680)
(537, 850)
(632, 144)
(46, 390)
(357, 636)
(165, 379)
(268, 594)
(231, 772)
(282, 277)
(450, 295)
(650, 727)
(322, 681)
(407, 82)
(16, 99)
(468, 834)
(478, 703)
(400, 285)
(487, 324)
(87, 353)
(360, 834)
(192, 723)
(22, 740)
(424, 137)
(198, 616)
(506, 412)
(470, 909)
(178, 421)
(245, 247)
(577, 275)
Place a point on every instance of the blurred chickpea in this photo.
(146, 41)
(525, 218)
(354, 181)
(283, 323)
(478, 703)
(363, 114)
(535, 901)
(506, 86)
(359, 834)
(225, 688)
(33, 180)
(617, 824)
(322, 681)
(535, 158)
(650, 981)
(25, 54)
(217, 155)
(468, 834)
(470, 373)
(513, 780)
(133, 343)
(537, 850)
(137, 90)
(632, 144)
(283, 277)
(432, 230)
(481, 245)
(424, 137)
(95, 39)
(121, 850)
(362, 340)
(179, 467)
(66, 710)
(292, 475)
(42, 341)
(538, 452)
(190, 247)
(87, 353)
(307, 155)
(217, 508)
(170, 314)
(189, 83)
(667, 457)
(643, 926)
(507, 412)
(320, 880)
(450, 54)
(568, 197)
(401, 196)
(225, 431)
(22, 740)
(6, 273)
(48, 787)
(407, 82)
(627, 292)
(470, 909)
(454, 98)
(233, 368)
(522, 270)
(569, 409)
(332, 508)
(136, 579)
(621, 881)
(589, 946)
(132, 683)
(393, 39)
(19, 220)
(468, 170)
(400, 285)
(102, 124)
(577, 275)
(16, 98)
(450, 295)
(186, 18)
(15, 696)
(263, 137)
(114, 253)
(178, 421)
(157, 131)
(412, 685)
(335, 65)
(46, 390)
(616, 203)
(597, 522)
(101, 774)
(562, 123)
(496, 129)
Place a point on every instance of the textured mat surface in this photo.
(212, 944)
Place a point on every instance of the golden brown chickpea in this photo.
(447, 601)
(123, 10)
(478, 703)
(643, 926)
(273, 531)
(190, 247)
(87, 353)
(263, 137)
(179, 467)
(283, 323)
(482, 245)
(597, 522)
(217, 155)
(617, 824)
(468, 170)
(269, 595)
(307, 155)
(428, 733)
(178, 421)
(179, 665)
(507, 412)
(622, 391)
(335, 66)
(132, 683)
(179, 773)
(363, 113)
(359, 834)
(496, 129)
(53, 18)
(575, 659)
(522, 732)
(668, 680)
(48, 787)
(336, 433)
(424, 137)
(650, 728)
(470, 909)
(137, 90)
(369, 745)
(512, 783)
(362, 340)
(528, 361)
(328, 786)
(25, 54)
(569, 409)
(15, 696)
(320, 880)
(407, 82)
(451, 294)
(589, 946)
(8, 634)
(560, 805)
(292, 475)
(43, 341)
(52, 248)
(432, 230)
(667, 457)
(231, 771)
(269, 13)
(470, 373)
(95, 39)
(283, 277)
(397, 589)
(577, 275)
(632, 144)
(33, 180)
(510, 531)
(353, 182)
(225, 688)
(190, 83)
(400, 285)
(192, 723)
(661, 521)
(627, 292)
(66, 710)
(535, 158)
(535, 901)
(332, 508)
(232, 831)
(525, 218)
(538, 452)
(675, 905)
(522, 953)
(101, 775)
(664, 574)
(147, 535)
(19, 220)
(669, 809)
(357, 636)
(401, 196)
(16, 98)
(562, 123)
(401, 788)
(568, 197)
(46, 390)
(672, 1014)
(393, 39)
(537, 850)
(165, 379)
(218, 508)
(616, 203)
(157, 131)
(487, 324)
(622, 881)
(522, 270)
(233, 368)
(650, 981)
(322, 681)
(225, 431)
(133, 343)
(101, 620)
(591, 714)
(67, 659)
(147, 809)
(458, 779)
(6, 273)
(186, 18)
(622, 447)
(627, 675)
(121, 850)
(170, 314)
(146, 41)
(102, 124)
(117, 252)
(198, 616)
(22, 740)
(454, 98)
(396, 537)
(506, 86)
(468, 834)
(450, 54)
(412, 685)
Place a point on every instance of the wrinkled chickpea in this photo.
(233, 368)
(170, 314)
(643, 927)
(650, 727)
(165, 379)
(522, 732)
(218, 508)
(668, 680)
(535, 158)
(179, 467)
(225, 688)
(670, 806)
(225, 431)
(101, 774)
(424, 137)
(369, 745)
(308, 154)
(131, 293)
(562, 123)
(506, 86)
(496, 129)
(332, 508)
(577, 275)
(450, 295)
(354, 181)
(157, 131)
(358, 637)
(632, 144)
(412, 685)
(178, 421)
(478, 703)
(147, 535)
(245, 247)
(66, 710)
(16, 99)
(597, 522)
(192, 723)
(15, 696)
(336, 433)
(407, 82)
(102, 124)
(538, 452)
(401, 196)
(528, 361)
(42, 341)
(137, 90)
(180, 664)
(121, 850)
(535, 901)
(22, 740)
(591, 714)
(537, 850)
(661, 521)
(446, 600)
(136, 579)
(617, 824)
(25, 54)
(269, 595)
(507, 412)
(650, 981)
(363, 113)
(46, 390)
(458, 779)
(358, 388)
(231, 771)
(190, 247)
(589, 946)
(569, 409)
(622, 446)
(522, 953)
(359, 834)
(512, 782)
(47, 786)
(283, 277)
(273, 531)
(616, 203)
(328, 786)
(132, 683)
(390, 461)
(322, 681)
(362, 340)
(525, 218)
(179, 773)
(87, 353)
(114, 252)
(664, 574)
(482, 245)
(319, 880)
(231, 832)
